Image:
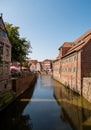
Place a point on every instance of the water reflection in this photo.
(37, 109)
(43, 108)
(74, 109)
(22, 123)
(46, 81)
(13, 119)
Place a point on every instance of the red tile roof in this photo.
(79, 43)
(33, 62)
(47, 60)
(83, 36)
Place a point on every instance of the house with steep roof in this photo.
(74, 63)
(32, 64)
(5, 54)
(46, 65)
(38, 67)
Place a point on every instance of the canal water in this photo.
(47, 106)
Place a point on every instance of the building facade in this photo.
(56, 69)
(5, 55)
(32, 64)
(46, 65)
(38, 67)
(75, 63)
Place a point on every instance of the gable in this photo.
(3, 33)
(2, 24)
(33, 65)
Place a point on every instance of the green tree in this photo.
(26, 64)
(20, 46)
(23, 51)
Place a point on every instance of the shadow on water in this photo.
(12, 118)
(74, 109)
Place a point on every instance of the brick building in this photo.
(74, 62)
(5, 54)
(43, 66)
(56, 69)
(46, 65)
(56, 63)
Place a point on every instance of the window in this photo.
(3, 34)
(70, 59)
(74, 69)
(75, 57)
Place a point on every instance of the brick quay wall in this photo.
(20, 85)
(86, 91)
(14, 88)
(86, 87)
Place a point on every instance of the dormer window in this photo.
(3, 34)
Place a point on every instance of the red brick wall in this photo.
(68, 71)
(6, 49)
(64, 50)
(86, 60)
(56, 70)
(19, 85)
(79, 79)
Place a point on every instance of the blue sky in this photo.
(47, 24)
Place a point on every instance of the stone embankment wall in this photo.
(87, 88)
(5, 84)
(14, 88)
(19, 85)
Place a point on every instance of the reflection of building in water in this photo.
(74, 109)
(23, 122)
(13, 118)
(46, 81)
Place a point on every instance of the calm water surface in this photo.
(47, 106)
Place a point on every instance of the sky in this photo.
(47, 24)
